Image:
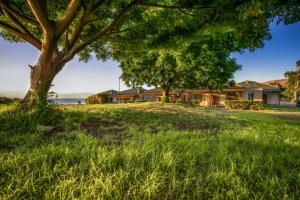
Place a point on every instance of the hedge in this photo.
(6, 100)
(244, 104)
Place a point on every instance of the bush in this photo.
(5, 100)
(165, 99)
(179, 101)
(105, 99)
(21, 120)
(92, 100)
(96, 99)
(244, 104)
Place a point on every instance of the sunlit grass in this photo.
(153, 151)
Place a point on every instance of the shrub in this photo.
(244, 104)
(19, 120)
(92, 100)
(165, 99)
(195, 102)
(179, 101)
(95, 99)
(5, 100)
(105, 99)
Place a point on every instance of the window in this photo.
(197, 97)
(232, 96)
(250, 96)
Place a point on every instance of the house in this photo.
(108, 96)
(205, 97)
(269, 94)
(247, 90)
(156, 94)
(130, 95)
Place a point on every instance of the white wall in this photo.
(205, 100)
(114, 100)
(222, 99)
(273, 99)
(257, 94)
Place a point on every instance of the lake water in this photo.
(69, 101)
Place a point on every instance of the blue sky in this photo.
(278, 56)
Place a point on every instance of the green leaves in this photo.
(206, 64)
(293, 85)
(153, 24)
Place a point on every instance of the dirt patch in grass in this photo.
(288, 117)
(5, 147)
(198, 127)
(101, 127)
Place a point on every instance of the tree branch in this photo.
(174, 6)
(29, 38)
(68, 17)
(97, 6)
(18, 24)
(40, 14)
(67, 44)
(18, 13)
(102, 31)
(21, 27)
(119, 31)
(84, 20)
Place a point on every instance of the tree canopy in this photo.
(155, 68)
(293, 85)
(204, 64)
(61, 29)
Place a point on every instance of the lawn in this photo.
(283, 108)
(151, 151)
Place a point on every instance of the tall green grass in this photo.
(161, 152)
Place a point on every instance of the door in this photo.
(265, 98)
(216, 100)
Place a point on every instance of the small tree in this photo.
(198, 65)
(293, 86)
(209, 65)
(155, 68)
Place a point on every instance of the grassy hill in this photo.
(151, 151)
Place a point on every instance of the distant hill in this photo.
(74, 95)
(12, 94)
(281, 82)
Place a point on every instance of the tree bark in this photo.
(41, 78)
(165, 93)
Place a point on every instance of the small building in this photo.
(130, 95)
(247, 90)
(269, 94)
(103, 97)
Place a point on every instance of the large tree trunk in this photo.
(165, 93)
(41, 77)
